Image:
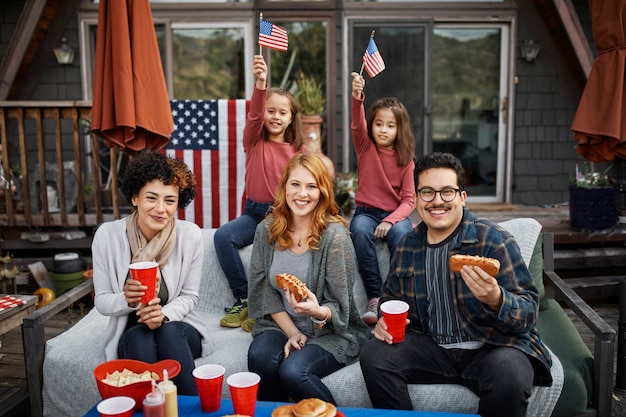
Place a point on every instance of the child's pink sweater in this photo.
(382, 183)
(265, 160)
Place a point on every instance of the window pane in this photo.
(208, 63)
(466, 82)
(160, 36)
(306, 54)
(402, 47)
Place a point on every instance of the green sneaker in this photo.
(237, 315)
(248, 324)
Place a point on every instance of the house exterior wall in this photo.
(62, 82)
(543, 145)
(544, 155)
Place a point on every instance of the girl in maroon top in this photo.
(271, 137)
(385, 151)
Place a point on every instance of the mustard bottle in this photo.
(171, 397)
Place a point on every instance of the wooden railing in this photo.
(38, 136)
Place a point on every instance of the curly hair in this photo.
(326, 211)
(405, 140)
(149, 166)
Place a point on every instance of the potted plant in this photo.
(346, 184)
(310, 96)
(593, 200)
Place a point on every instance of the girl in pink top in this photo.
(271, 138)
(385, 151)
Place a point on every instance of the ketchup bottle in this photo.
(154, 403)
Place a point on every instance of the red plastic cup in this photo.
(243, 389)
(395, 313)
(209, 380)
(116, 407)
(146, 272)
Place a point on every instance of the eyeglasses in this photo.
(447, 194)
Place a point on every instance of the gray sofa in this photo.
(64, 375)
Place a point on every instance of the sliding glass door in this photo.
(470, 103)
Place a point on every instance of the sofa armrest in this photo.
(33, 337)
(604, 334)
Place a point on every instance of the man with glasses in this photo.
(466, 328)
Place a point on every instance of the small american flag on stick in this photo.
(273, 36)
(372, 60)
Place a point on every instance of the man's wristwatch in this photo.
(165, 319)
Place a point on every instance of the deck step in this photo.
(13, 400)
(597, 287)
(590, 257)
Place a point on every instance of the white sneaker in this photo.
(371, 315)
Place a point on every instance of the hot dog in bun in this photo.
(295, 286)
(489, 265)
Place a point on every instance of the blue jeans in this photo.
(362, 228)
(502, 377)
(297, 377)
(232, 236)
(173, 340)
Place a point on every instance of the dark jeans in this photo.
(173, 340)
(231, 237)
(362, 228)
(502, 377)
(297, 377)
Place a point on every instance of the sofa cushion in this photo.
(69, 387)
(558, 332)
(536, 270)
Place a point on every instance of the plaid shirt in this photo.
(513, 325)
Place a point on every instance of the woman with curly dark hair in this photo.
(167, 326)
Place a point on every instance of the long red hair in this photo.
(326, 211)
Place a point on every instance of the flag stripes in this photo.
(372, 59)
(208, 136)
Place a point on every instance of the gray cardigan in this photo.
(331, 278)
(111, 257)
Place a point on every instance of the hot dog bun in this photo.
(296, 287)
(310, 407)
(489, 265)
(283, 411)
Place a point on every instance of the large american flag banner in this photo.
(208, 136)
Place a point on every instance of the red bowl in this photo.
(138, 390)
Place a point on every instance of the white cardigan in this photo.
(111, 257)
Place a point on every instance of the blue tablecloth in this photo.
(190, 407)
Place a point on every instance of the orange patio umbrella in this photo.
(599, 125)
(131, 108)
